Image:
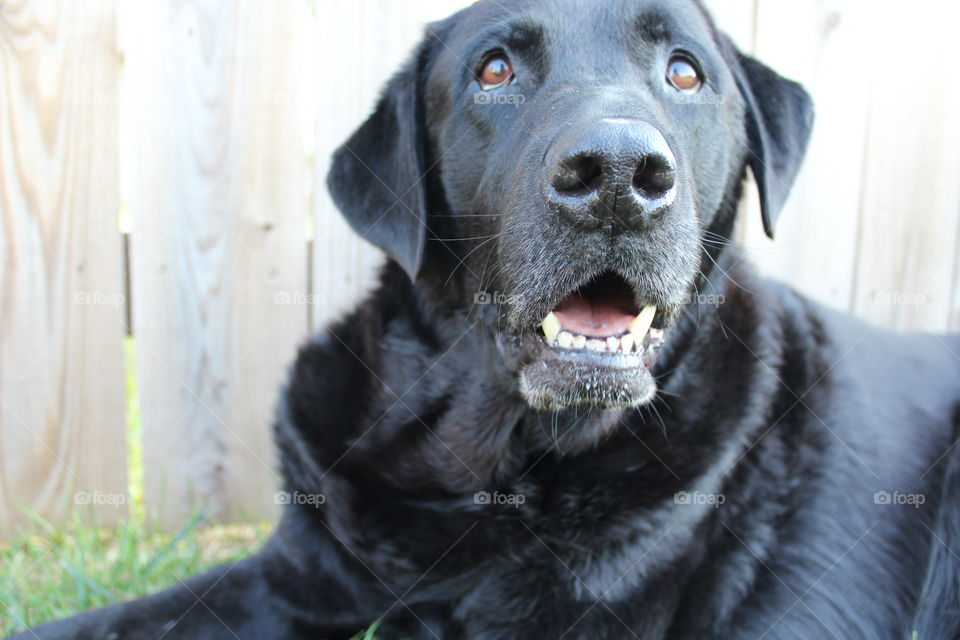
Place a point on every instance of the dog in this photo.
(542, 424)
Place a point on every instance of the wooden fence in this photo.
(205, 128)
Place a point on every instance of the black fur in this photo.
(793, 476)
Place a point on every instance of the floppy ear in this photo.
(377, 177)
(779, 122)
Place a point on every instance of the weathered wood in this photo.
(817, 44)
(386, 32)
(62, 426)
(216, 177)
(908, 234)
(736, 18)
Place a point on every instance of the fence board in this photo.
(816, 44)
(61, 324)
(908, 239)
(386, 32)
(219, 253)
(736, 18)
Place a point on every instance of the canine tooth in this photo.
(641, 324)
(596, 345)
(613, 345)
(626, 343)
(551, 327)
(579, 342)
(565, 339)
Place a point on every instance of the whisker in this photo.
(472, 251)
(466, 239)
(663, 425)
(727, 275)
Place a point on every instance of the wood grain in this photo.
(215, 170)
(386, 31)
(736, 18)
(908, 235)
(62, 426)
(817, 44)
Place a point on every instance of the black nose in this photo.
(615, 172)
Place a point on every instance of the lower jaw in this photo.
(563, 380)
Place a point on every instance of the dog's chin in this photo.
(559, 379)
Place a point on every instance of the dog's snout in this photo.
(614, 171)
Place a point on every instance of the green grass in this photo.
(49, 572)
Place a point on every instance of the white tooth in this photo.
(641, 324)
(551, 327)
(656, 335)
(613, 345)
(565, 339)
(596, 345)
(626, 343)
(579, 342)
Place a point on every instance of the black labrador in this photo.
(570, 410)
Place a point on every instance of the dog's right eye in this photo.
(683, 74)
(495, 71)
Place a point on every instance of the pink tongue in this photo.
(594, 320)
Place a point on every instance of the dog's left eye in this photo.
(495, 72)
(683, 75)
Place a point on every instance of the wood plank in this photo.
(216, 174)
(817, 44)
(736, 18)
(344, 265)
(62, 412)
(908, 238)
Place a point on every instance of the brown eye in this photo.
(496, 72)
(683, 75)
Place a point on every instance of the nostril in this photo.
(579, 176)
(654, 177)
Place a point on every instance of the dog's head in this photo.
(553, 167)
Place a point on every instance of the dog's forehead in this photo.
(573, 19)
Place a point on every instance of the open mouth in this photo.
(602, 317)
(595, 349)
